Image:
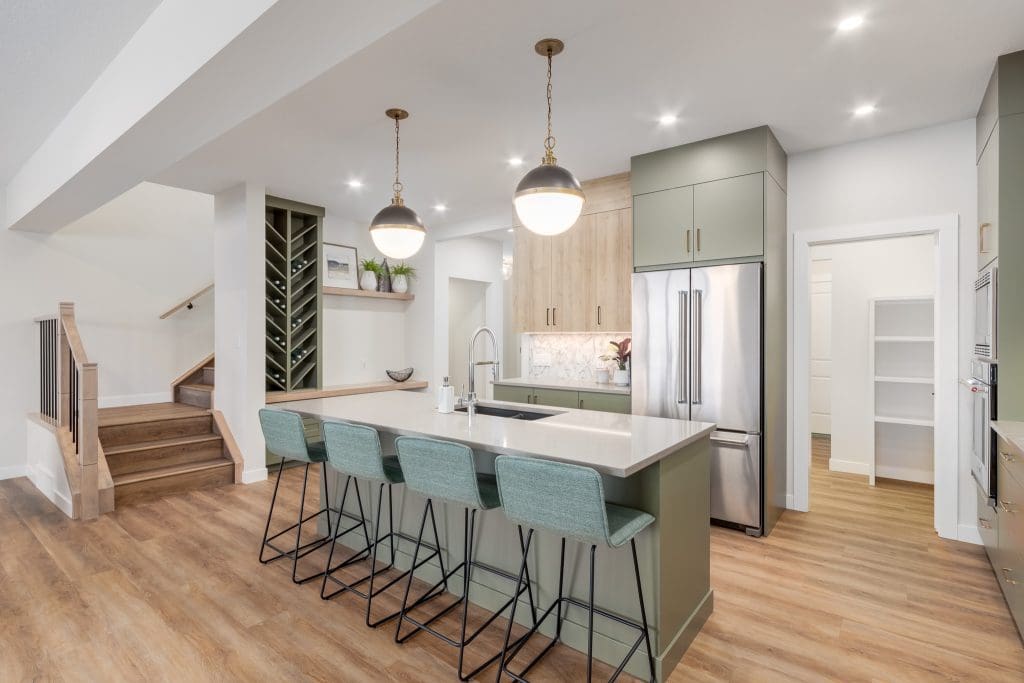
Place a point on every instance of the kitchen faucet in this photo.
(471, 399)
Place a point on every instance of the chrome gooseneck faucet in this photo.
(471, 398)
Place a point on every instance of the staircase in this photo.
(157, 449)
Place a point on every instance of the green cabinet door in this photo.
(663, 227)
(728, 218)
(513, 394)
(559, 398)
(988, 201)
(608, 403)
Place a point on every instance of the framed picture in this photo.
(341, 266)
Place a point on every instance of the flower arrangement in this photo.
(619, 352)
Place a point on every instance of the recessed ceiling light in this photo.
(864, 110)
(851, 22)
(441, 208)
(355, 183)
(667, 119)
(515, 161)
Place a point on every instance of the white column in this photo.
(239, 326)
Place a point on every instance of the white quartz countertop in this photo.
(618, 445)
(1011, 431)
(568, 384)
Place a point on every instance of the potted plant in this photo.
(371, 269)
(401, 274)
(619, 353)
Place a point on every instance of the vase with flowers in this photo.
(619, 353)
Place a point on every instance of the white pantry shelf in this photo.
(905, 380)
(905, 339)
(913, 421)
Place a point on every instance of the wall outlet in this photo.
(542, 358)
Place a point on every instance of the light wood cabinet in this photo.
(579, 281)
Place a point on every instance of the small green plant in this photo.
(404, 269)
(371, 265)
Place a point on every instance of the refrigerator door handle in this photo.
(684, 357)
(698, 340)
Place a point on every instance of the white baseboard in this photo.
(135, 399)
(905, 474)
(790, 501)
(849, 466)
(968, 533)
(251, 476)
(12, 471)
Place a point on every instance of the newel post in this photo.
(88, 441)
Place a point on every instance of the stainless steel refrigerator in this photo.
(697, 354)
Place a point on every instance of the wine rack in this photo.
(293, 298)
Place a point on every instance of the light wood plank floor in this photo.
(860, 589)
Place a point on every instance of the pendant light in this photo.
(397, 230)
(549, 199)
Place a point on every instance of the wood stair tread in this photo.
(161, 443)
(197, 387)
(150, 412)
(170, 471)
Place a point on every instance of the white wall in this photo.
(470, 258)
(122, 265)
(862, 271)
(917, 173)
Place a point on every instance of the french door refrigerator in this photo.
(697, 355)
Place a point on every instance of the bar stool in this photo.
(445, 471)
(568, 500)
(285, 436)
(355, 450)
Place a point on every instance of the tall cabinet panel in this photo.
(988, 201)
(610, 250)
(293, 299)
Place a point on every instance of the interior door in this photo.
(728, 218)
(725, 375)
(663, 227)
(661, 330)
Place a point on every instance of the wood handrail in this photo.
(186, 302)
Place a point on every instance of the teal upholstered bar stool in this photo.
(446, 471)
(355, 450)
(568, 500)
(285, 436)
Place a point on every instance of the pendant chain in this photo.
(549, 141)
(397, 185)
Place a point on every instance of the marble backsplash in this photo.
(566, 356)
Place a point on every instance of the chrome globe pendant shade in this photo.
(397, 230)
(549, 199)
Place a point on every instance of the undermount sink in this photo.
(510, 413)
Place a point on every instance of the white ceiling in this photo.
(51, 52)
(467, 72)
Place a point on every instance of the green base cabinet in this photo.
(564, 398)
(513, 394)
(608, 403)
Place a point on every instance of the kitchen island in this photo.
(654, 464)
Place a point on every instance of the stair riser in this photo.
(194, 397)
(142, 491)
(120, 435)
(207, 376)
(163, 456)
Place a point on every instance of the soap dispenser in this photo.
(446, 397)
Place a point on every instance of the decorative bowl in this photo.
(400, 375)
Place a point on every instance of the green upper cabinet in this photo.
(663, 227)
(704, 201)
(728, 218)
(988, 201)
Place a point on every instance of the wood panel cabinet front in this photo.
(571, 269)
(610, 251)
(532, 276)
(728, 218)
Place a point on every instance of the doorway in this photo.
(467, 310)
(939, 234)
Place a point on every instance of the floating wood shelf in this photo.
(369, 293)
(343, 390)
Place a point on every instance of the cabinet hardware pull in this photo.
(581, 404)
(984, 523)
(554, 317)
(598, 315)
(687, 240)
(981, 237)
(1007, 579)
(547, 316)
(698, 240)
(1004, 505)
(1008, 457)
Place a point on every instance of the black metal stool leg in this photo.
(408, 585)
(273, 501)
(503, 661)
(643, 611)
(590, 617)
(298, 532)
